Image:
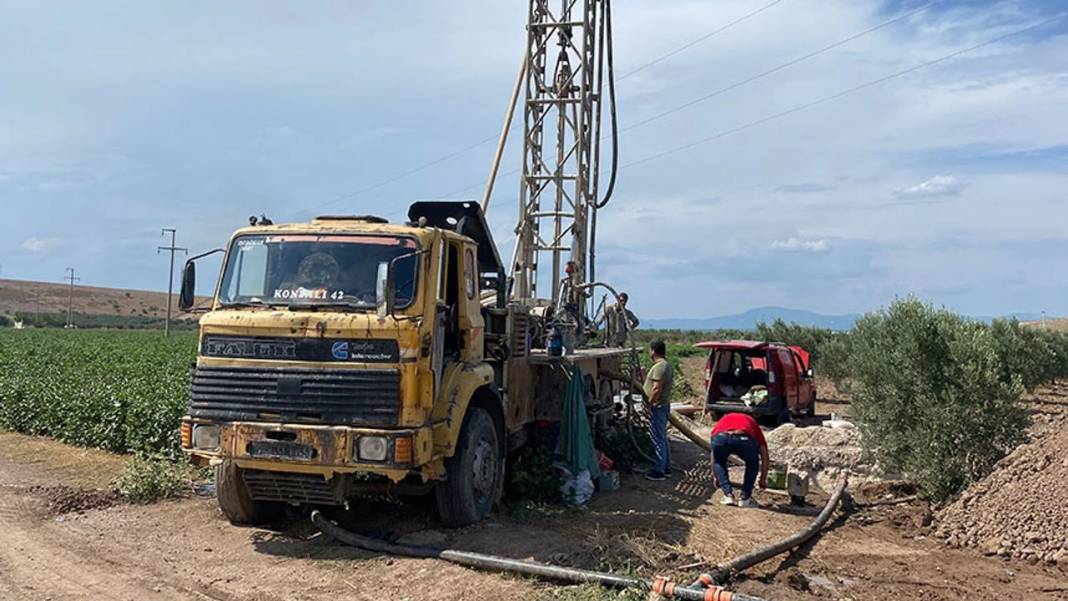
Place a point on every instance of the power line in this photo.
(466, 149)
(778, 68)
(400, 176)
(752, 78)
(689, 45)
(170, 280)
(842, 93)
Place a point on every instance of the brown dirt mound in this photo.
(64, 499)
(1020, 510)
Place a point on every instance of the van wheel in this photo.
(473, 474)
(234, 500)
(811, 410)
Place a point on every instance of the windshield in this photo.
(310, 269)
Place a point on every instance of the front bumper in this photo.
(314, 449)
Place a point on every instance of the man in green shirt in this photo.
(658, 385)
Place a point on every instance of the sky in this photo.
(948, 182)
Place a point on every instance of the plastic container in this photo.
(777, 477)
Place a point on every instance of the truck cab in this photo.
(348, 356)
(769, 380)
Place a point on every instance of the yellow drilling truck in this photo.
(349, 356)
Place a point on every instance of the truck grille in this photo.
(293, 488)
(356, 397)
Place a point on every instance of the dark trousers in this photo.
(723, 446)
(658, 429)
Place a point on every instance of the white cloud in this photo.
(793, 244)
(38, 245)
(940, 185)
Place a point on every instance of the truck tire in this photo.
(473, 474)
(811, 410)
(234, 500)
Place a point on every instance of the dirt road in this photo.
(184, 549)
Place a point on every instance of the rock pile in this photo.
(825, 453)
(1019, 510)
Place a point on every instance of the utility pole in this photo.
(170, 280)
(70, 277)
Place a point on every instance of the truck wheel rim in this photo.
(484, 467)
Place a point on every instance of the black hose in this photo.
(727, 569)
(494, 563)
(611, 106)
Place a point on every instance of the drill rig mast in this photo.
(567, 42)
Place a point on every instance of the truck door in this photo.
(790, 379)
(472, 324)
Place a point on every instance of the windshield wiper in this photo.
(318, 306)
(243, 304)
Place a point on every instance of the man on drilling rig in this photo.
(618, 321)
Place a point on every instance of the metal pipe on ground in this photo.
(495, 563)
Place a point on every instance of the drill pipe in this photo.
(495, 563)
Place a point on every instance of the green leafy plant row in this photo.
(123, 391)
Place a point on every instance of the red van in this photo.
(770, 380)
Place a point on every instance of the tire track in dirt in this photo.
(39, 561)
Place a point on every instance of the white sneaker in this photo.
(747, 503)
(727, 500)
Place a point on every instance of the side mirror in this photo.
(385, 294)
(187, 297)
(808, 373)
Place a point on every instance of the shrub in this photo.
(931, 395)
(148, 478)
(533, 478)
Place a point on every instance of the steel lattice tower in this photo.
(560, 151)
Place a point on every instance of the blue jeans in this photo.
(659, 424)
(723, 446)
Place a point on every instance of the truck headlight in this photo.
(205, 437)
(372, 448)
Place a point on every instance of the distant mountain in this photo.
(749, 319)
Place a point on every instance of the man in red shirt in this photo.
(739, 434)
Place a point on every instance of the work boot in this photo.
(727, 500)
(747, 502)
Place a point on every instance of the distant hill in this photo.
(749, 319)
(24, 296)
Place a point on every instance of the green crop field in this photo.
(123, 391)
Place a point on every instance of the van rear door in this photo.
(790, 379)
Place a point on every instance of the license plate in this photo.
(280, 449)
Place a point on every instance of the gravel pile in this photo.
(1020, 510)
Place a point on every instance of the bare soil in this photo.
(22, 295)
(184, 549)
